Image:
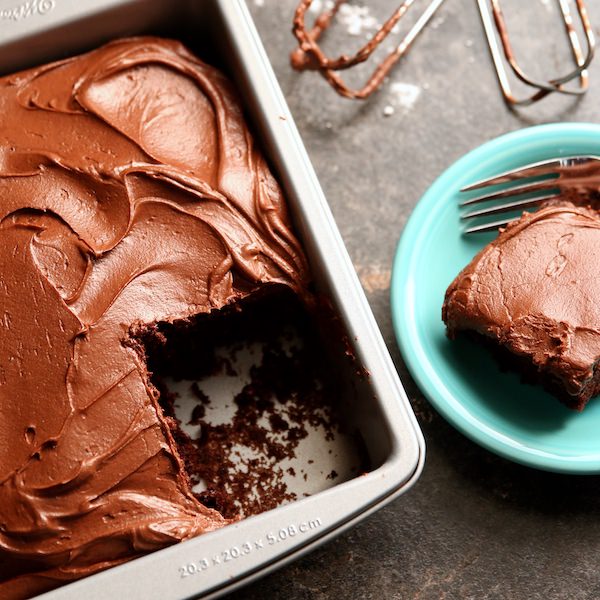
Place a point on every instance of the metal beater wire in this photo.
(495, 27)
(310, 56)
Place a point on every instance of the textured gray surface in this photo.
(475, 525)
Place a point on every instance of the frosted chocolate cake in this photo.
(533, 295)
(131, 194)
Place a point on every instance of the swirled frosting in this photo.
(535, 291)
(131, 192)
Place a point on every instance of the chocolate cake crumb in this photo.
(278, 423)
(199, 394)
(198, 413)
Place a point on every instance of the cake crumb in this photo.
(404, 95)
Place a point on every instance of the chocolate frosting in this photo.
(535, 290)
(131, 192)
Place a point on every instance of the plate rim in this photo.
(400, 289)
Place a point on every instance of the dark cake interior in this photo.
(249, 463)
(508, 361)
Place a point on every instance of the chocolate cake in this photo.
(132, 194)
(534, 294)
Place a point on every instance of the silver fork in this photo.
(530, 186)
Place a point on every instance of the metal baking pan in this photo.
(36, 31)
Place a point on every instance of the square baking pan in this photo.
(38, 31)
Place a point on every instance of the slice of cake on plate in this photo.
(533, 295)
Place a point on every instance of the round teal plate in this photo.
(518, 421)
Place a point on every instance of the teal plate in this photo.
(518, 421)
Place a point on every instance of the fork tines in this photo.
(525, 187)
(537, 169)
(521, 196)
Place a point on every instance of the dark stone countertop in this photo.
(474, 525)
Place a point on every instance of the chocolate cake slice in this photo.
(131, 194)
(534, 294)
